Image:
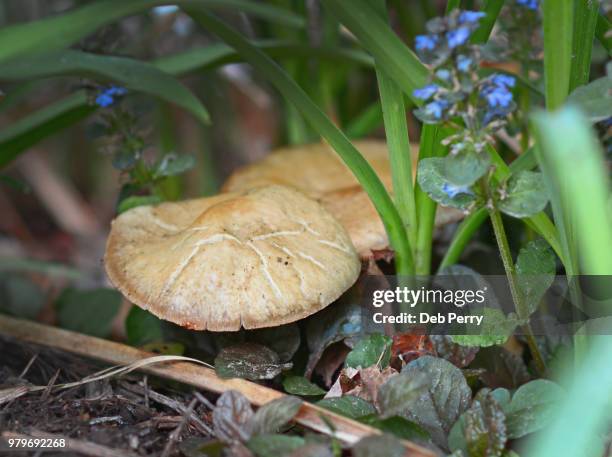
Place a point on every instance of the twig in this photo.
(28, 366)
(310, 416)
(78, 446)
(176, 433)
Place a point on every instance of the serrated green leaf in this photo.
(88, 311)
(533, 407)
(445, 398)
(372, 350)
(525, 195)
(348, 405)
(535, 268)
(594, 99)
(431, 179)
(465, 168)
(299, 385)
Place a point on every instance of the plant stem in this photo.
(519, 305)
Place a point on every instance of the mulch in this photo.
(127, 416)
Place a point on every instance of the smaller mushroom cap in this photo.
(258, 258)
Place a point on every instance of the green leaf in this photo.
(172, 165)
(348, 405)
(371, 446)
(496, 327)
(20, 297)
(594, 99)
(274, 445)
(299, 385)
(397, 395)
(558, 36)
(231, 417)
(60, 31)
(533, 406)
(137, 200)
(525, 195)
(30, 129)
(249, 361)
(273, 415)
(585, 23)
(492, 8)
(142, 327)
(133, 74)
(372, 350)
(445, 398)
(431, 179)
(164, 348)
(535, 268)
(465, 168)
(88, 311)
(397, 426)
(484, 427)
(291, 91)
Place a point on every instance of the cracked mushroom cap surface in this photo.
(318, 171)
(259, 258)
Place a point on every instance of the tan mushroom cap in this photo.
(258, 258)
(317, 170)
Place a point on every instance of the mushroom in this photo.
(256, 258)
(317, 171)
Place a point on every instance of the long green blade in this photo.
(393, 56)
(585, 23)
(319, 121)
(558, 25)
(61, 31)
(133, 74)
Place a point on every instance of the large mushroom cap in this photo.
(318, 171)
(258, 258)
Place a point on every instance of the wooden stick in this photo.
(309, 416)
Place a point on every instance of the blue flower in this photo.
(497, 96)
(503, 80)
(443, 74)
(425, 42)
(463, 63)
(452, 191)
(436, 108)
(426, 92)
(530, 4)
(470, 16)
(106, 97)
(458, 37)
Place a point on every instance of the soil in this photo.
(127, 416)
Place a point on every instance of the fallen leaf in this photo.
(349, 406)
(460, 356)
(274, 415)
(250, 361)
(231, 416)
(299, 385)
(410, 346)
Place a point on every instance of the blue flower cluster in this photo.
(106, 97)
(529, 4)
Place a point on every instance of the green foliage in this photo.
(88, 311)
(594, 99)
(524, 195)
(272, 416)
(142, 327)
(432, 180)
(299, 385)
(371, 446)
(399, 393)
(445, 397)
(348, 405)
(372, 350)
(496, 327)
(535, 267)
(250, 361)
(274, 445)
(397, 426)
(135, 201)
(19, 296)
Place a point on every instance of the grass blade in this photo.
(585, 22)
(492, 9)
(58, 32)
(573, 177)
(398, 143)
(602, 32)
(558, 25)
(31, 129)
(393, 56)
(321, 123)
(133, 74)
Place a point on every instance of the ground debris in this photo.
(131, 415)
